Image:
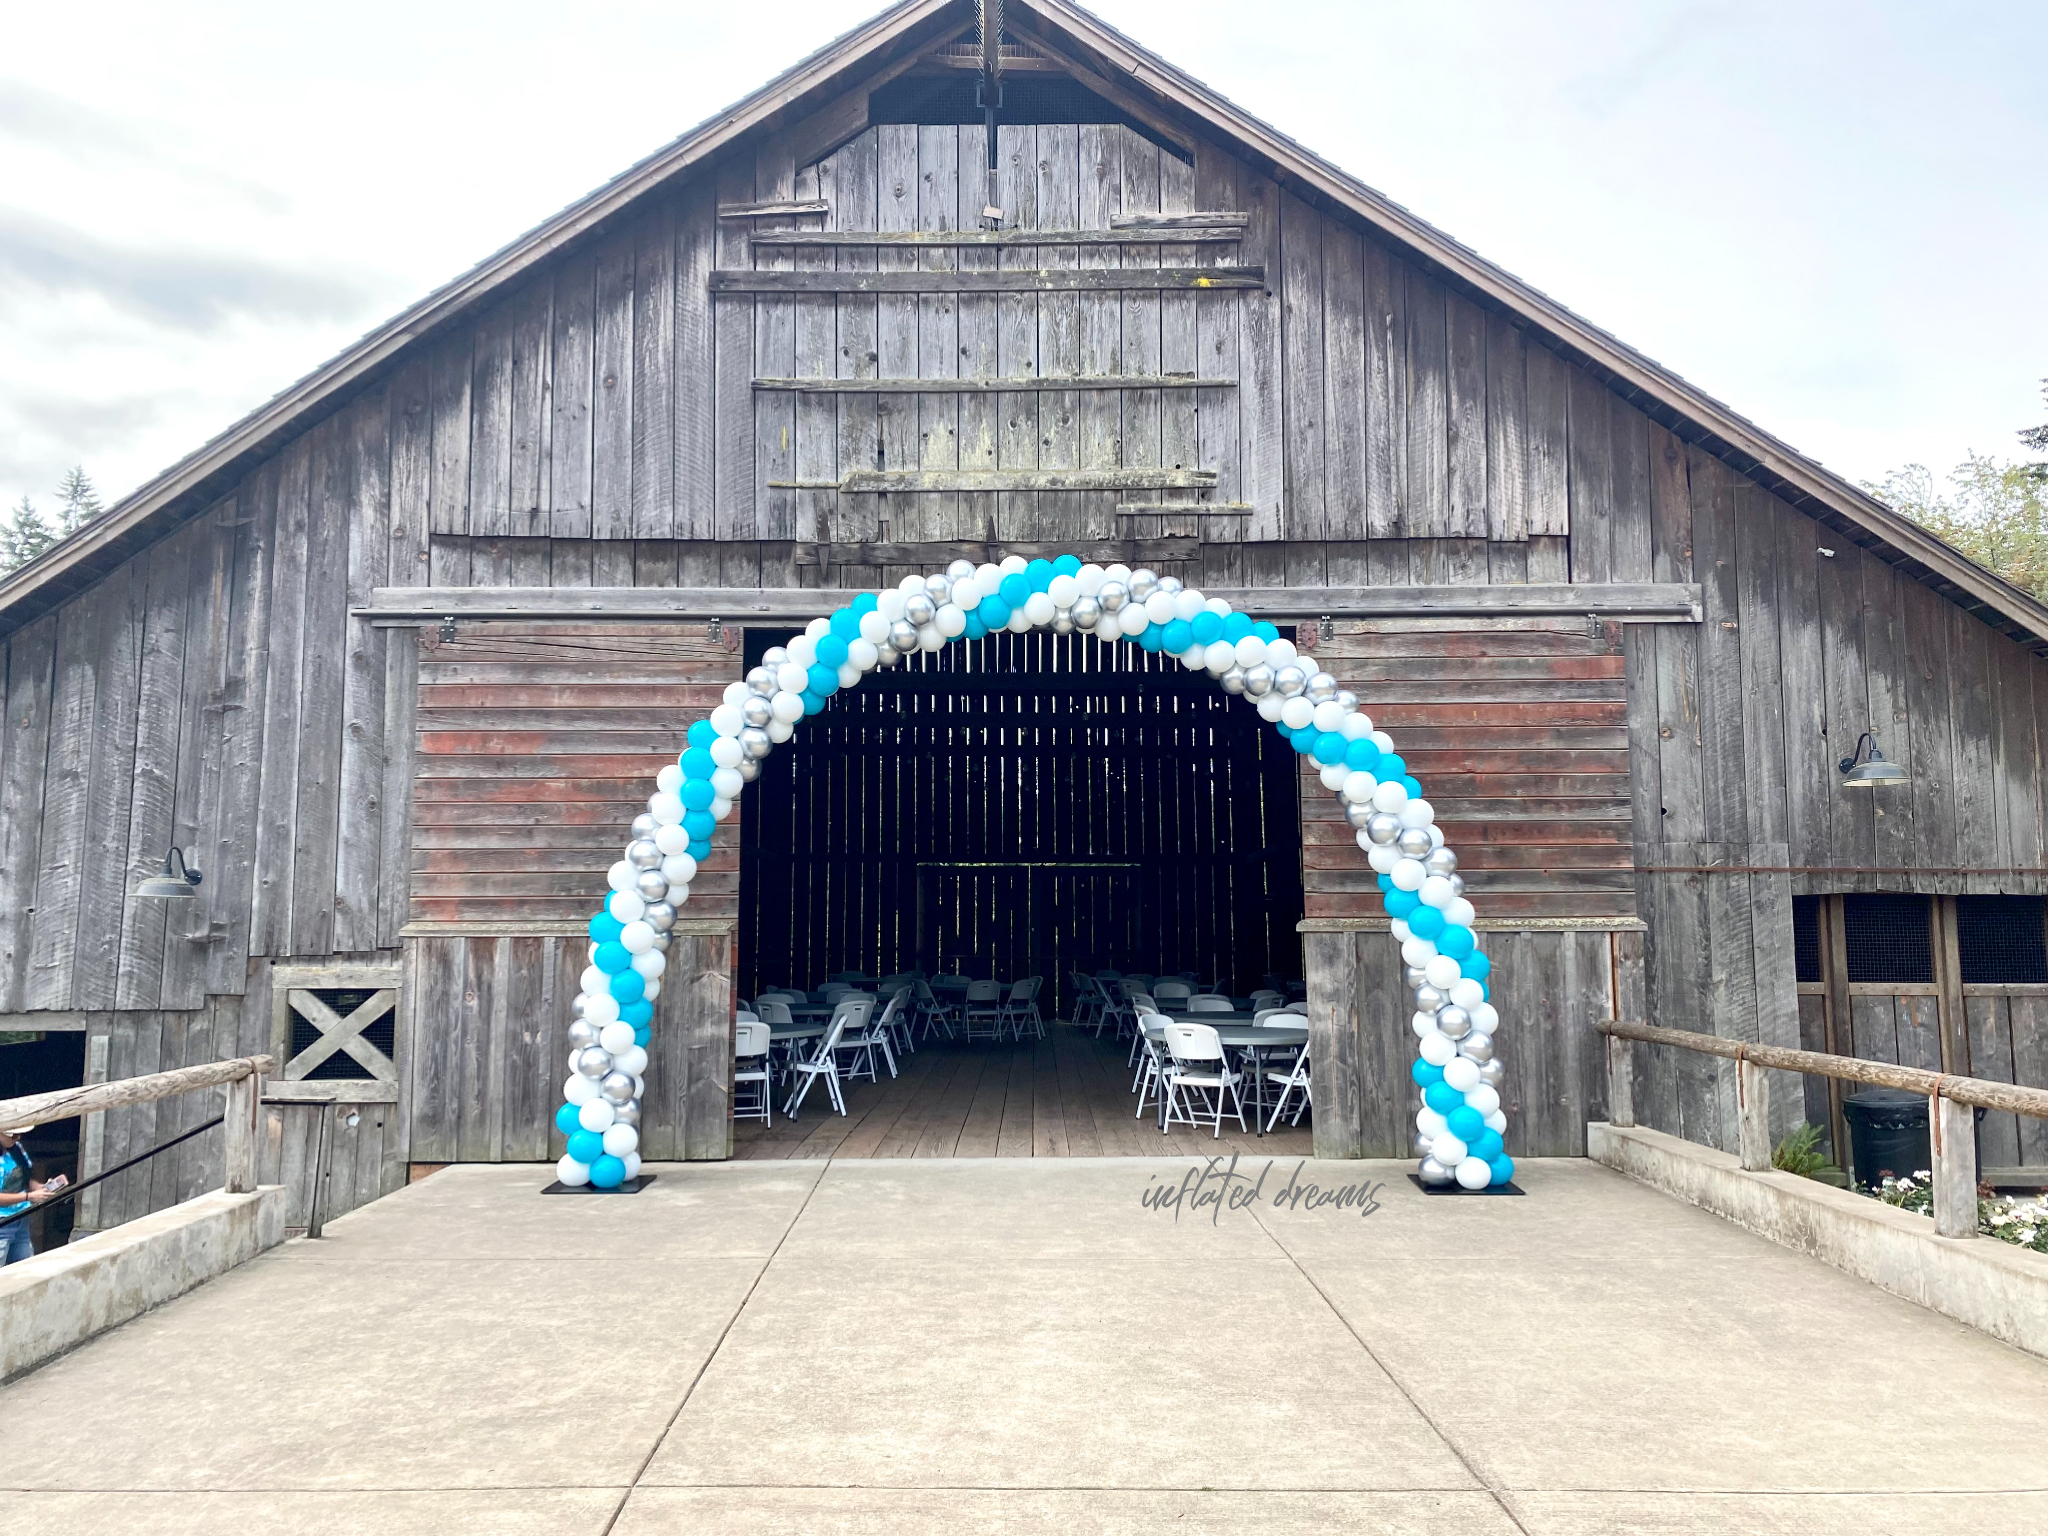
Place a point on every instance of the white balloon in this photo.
(950, 620)
(1383, 741)
(849, 674)
(1390, 796)
(1159, 607)
(736, 694)
(1417, 951)
(1438, 1048)
(1191, 658)
(1381, 856)
(652, 987)
(571, 1172)
(616, 1038)
(791, 678)
(726, 752)
(1417, 813)
(727, 720)
(1090, 579)
(1133, 620)
(780, 730)
(1280, 652)
(1449, 1150)
(1497, 1123)
(1483, 1097)
(650, 964)
(620, 876)
(1357, 724)
(1270, 707)
(1118, 572)
(632, 1162)
(1407, 875)
(679, 869)
(597, 1115)
(1187, 603)
(726, 783)
(1251, 650)
(600, 1008)
(1460, 911)
(1461, 1074)
(1473, 1174)
(1429, 1122)
(1040, 608)
(672, 839)
(803, 650)
(1013, 565)
(579, 1090)
(621, 1139)
(890, 606)
(1297, 712)
(1330, 716)
(670, 779)
(1435, 892)
(1064, 590)
(678, 893)
(1333, 775)
(1441, 972)
(862, 654)
(1219, 658)
(874, 628)
(1358, 787)
(1107, 628)
(818, 628)
(632, 1060)
(1402, 933)
(1466, 993)
(638, 939)
(1424, 1024)
(929, 638)
(666, 809)
(1485, 1017)
(626, 906)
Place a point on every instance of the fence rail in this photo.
(242, 1076)
(1951, 1102)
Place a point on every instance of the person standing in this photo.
(20, 1193)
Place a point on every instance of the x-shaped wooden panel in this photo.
(341, 1034)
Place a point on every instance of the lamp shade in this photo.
(1860, 772)
(171, 884)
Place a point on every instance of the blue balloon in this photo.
(1503, 1168)
(1329, 748)
(585, 1146)
(636, 1013)
(1363, 755)
(864, 605)
(1413, 785)
(845, 625)
(1304, 740)
(699, 824)
(607, 1172)
(1151, 638)
(612, 958)
(1425, 922)
(697, 794)
(701, 734)
(1207, 627)
(812, 702)
(1014, 589)
(1039, 573)
(1386, 882)
(1400, 903)
(1389, 766)
(1476, 965)
(1423, 1072)
(700, 847)
(1442, 1097)
(642, 1033)
(1236, 626)
(1266, 632)
(1455, 941)
(832, 651)
(1067, 565)
(566, 1121)
(604, 928)
(1486, 1145)
(1464, 1122)
(975, 628)
(995, 613)
(824, 680)
(1177, 636)
(697, 763)
(627, 986)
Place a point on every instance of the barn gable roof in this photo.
(810, 100)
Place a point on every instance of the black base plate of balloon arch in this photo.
(630, 1187)
(1509, 1188)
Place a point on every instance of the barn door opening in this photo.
(1024, 805)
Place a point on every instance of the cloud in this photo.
(190, 290)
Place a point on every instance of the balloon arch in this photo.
(1459, 1123)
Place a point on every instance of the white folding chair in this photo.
(1020, 1008)
(1266, 997)
(750, 1067)
(1087, 1005)
(1198, 1067)
(1171, 994)
(934, 1012)
(864, 1039)
(984, 1006)
(1209, 1002)
(1295, 1077)
(1152, 1059)
(896, 1015)
(852, 1013)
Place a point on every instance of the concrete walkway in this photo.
(964, 1346)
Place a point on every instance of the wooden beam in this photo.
(1190, 225)
(1118, 234)
(785, 209)
(988, 386)
(1044, 280)
(908, 481)
(1645, 602)
(937, 556)
(63, 1103)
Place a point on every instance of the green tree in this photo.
(1995, 513)
(77, 502)
(2036, 438)
(24, 535)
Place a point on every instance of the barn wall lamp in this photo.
(169, 884)
(1860, 772)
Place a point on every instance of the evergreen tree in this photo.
(23, 535)
(2036, 438)
(78, 502)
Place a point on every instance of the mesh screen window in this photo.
(2002, 938)
(1806, 938)
(1889, 938)
(341, 1065)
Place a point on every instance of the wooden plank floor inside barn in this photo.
(1067, 1095)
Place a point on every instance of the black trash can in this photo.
(1888, 1133)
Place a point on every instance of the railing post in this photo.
(238, 1133)
(1955, 1166)
(1621, 1081)
(1753, 1115)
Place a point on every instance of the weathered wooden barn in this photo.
(394, 658)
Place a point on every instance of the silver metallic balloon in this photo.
(1171, 586)
(1440, 861)
(1414, 842)
(627, 1113)
(1492, 1073)
(960, 570)
(755, 743)
(644, 825)
(663, 938)
(1347, 699)
(762, 681)
(1233, 681)
(642, 854)
(1476, 1047)
(939, 589)
(750, 768)
(1321, 688)
(757, 710)
(1112, 596)
(617, 1087)
(1144, 583)
(1457, 881)
(1087, 612)
(579, 1007)
(903, 635)
(650, 884)
(1063, 623)
(592, 1061)
(1432, 1172)
(1383, 828)
(1428, 999)
(582, 1033)
(1360, 815)
(1424, 1145)
(1258, 681)
(1454, 1021)
(918, 608)
(1413, 976)
(1290, 680)
(661, 917)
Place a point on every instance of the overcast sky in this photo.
(1832, 216)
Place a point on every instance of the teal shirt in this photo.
(14, 1166)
